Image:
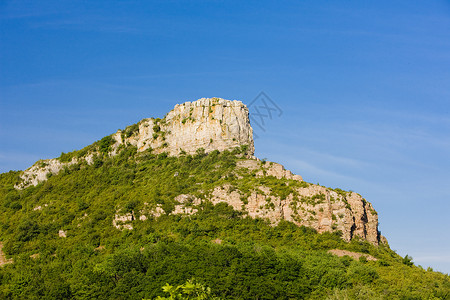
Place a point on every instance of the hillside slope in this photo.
(118, 220)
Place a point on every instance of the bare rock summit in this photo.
(208, 123)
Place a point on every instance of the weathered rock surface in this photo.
(40, 171)
(313, 206)
(208, 123)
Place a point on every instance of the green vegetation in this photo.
(236, 256)
(130, 130)
(105, 144)
(189, 290)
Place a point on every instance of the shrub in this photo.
(132, 129)
(407, 260)
(105, 144)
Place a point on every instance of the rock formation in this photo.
(211, 124)
(311, 205)
(218, 124)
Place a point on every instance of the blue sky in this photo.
(364, 89)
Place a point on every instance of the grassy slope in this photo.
(253, 261)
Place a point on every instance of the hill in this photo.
(166, 200)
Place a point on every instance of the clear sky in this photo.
(364, 90)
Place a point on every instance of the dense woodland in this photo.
(236, 257)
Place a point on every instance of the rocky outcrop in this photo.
(310, 205)
(211, 124)
(40, 171)
(315, 206)
(354, 255)
(268, 169)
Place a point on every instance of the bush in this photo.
(132, 129)
(407, 260)
(105, 144)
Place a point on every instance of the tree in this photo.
(189, 290)
(407, 260)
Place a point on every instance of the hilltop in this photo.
(215, 124)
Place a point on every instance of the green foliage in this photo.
(64, 157)
(407, 260)
(189, 290)
(67, 157)
(105, 144)
(130, 130)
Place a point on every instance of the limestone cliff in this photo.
(211, 124)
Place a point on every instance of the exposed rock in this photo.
(217, 241)
(188, 199)
(278, 171)
(208, 123)
(354, 255)
(223, 194)
(123, 221)
(183, 210)
(3, 259)
(35, 256)
(156, 212)
(186, 205)
(40, 171)
(62, 233)
(40, 207)
(268, 169)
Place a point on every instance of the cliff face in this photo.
(218, 124)
(314, 206)
(211, 124)
(311, 205)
